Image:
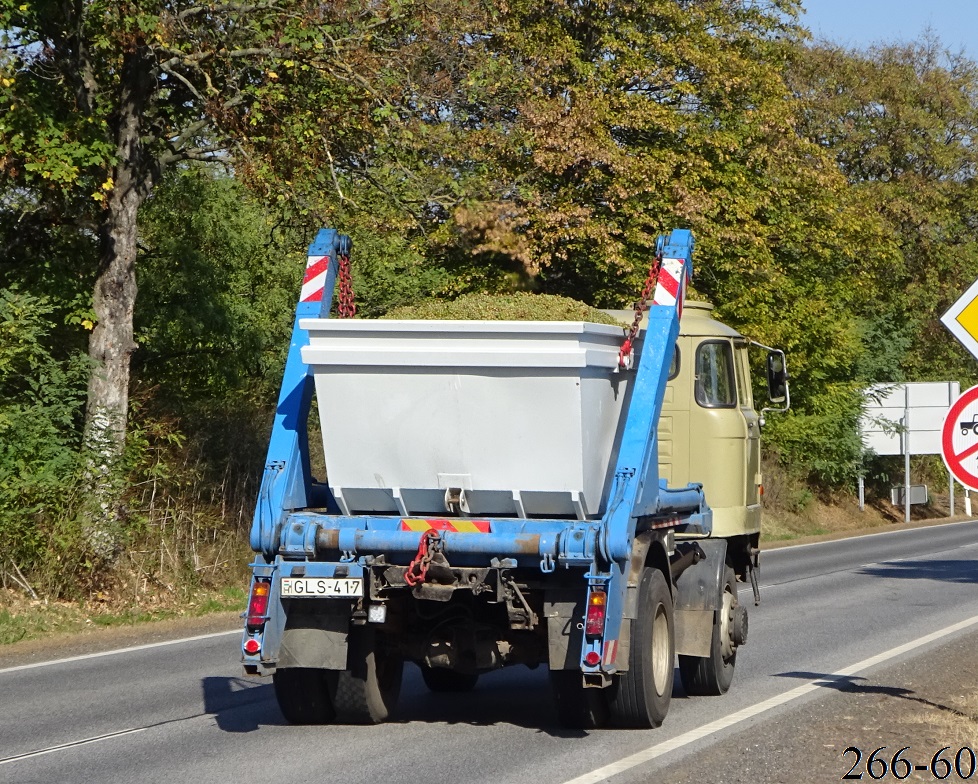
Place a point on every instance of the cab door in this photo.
(752, 445)
(718, 433)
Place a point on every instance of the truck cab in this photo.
(709, 428)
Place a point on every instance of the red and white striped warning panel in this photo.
(456, 526)
(314, 282)
(670, 288)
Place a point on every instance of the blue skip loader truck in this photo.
(496, 494)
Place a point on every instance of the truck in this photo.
(969, 425)
(573, 495)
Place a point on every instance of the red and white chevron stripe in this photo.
(670, 288)
(314, 282)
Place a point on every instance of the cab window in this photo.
(715, 386)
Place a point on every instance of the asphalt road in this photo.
(182, 712)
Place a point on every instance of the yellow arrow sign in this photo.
(961, 319)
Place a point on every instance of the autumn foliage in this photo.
(469, 147)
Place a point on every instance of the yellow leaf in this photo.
(108, 184)
(87, 324)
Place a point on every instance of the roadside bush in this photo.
(41, 401)
(821, 446)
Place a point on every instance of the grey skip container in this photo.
(479, 418)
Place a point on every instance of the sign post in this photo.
(906, 455)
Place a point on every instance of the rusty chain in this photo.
(346, 304)
(417, 570)
(625, 354)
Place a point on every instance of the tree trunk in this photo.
(111, 344)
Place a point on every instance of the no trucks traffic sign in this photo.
(959, 439)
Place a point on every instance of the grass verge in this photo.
(24, 619)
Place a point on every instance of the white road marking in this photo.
(117, 651)
(774, 550)
(71, 745)
(634, 760)
(932, 556)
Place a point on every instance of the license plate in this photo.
(339, 587)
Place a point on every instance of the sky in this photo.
(860, 23)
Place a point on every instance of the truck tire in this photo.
(367, 692)
(640, 697)
(578, 708)
(303, 695)
(440, 680)
(711, 675)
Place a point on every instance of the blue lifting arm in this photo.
(286, 484)
(637, 491)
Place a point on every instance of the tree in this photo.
(103, 97)
(98, 99)
(629, 118)
(900, 122)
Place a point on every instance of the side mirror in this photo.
(777, 377)
(777, 380)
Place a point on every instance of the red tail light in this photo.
(594, 623)
(258, 604)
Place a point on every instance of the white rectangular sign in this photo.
(882, 422)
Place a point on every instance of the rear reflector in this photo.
(258, 604)
(594, 623)
(592, 659)
(252, 646)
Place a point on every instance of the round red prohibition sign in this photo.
(959, 439)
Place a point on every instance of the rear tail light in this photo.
(258, 604)
(594, 623)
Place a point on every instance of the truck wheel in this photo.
(438, 679)
(640, 696)
(711, 675)
(367, 692)
(578, 708)
(303, 695)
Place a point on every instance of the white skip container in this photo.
(478, 418)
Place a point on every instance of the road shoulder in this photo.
(100, 639)
(926, 703)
